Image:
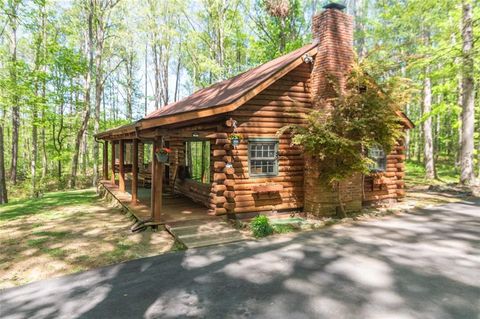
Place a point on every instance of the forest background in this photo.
(70, 69)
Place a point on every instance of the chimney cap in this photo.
(334, 5)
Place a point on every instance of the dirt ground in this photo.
(427, 195)
(67, 232)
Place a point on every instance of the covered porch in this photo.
(176, 207)
(157, 191)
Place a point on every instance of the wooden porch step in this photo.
(207, 232)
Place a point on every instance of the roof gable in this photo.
(228, 91)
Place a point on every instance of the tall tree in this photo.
(427, 128)
(468, 107)
(12, 13)
(39, 47)
(279, 26)
(89, 51)
(102, 28)
(3, 184)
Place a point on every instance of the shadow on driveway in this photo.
(425, 264)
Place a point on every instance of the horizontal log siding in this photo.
(392, 187)
(278, 105)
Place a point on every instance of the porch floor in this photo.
(175, 208)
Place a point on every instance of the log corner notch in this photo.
(157, 182)
(220, 203)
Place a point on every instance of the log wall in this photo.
(280, 104)
(233, 191)
(388, 186)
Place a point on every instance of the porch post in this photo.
(121, 168)
(112, 163)
(157, 183)
(105, 160)
(135, 171)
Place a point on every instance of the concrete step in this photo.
(207, 228)
(214, 241)
(223, 233)
(207, 232)
(197, 221)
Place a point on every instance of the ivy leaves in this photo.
(365, 114)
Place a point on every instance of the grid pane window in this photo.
(379, 157)
(263, 157)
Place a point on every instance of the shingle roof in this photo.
(228, 91)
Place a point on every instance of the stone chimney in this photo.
(333, 30)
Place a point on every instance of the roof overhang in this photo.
(406, 121)
(126, 131)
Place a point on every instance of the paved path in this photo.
(420, 265)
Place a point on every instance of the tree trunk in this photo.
(427, 129)
(468, 110)
(3, 185)
(177, 79)
(407, 136)
(15, 98)
(130, 85)
(146, 79)
(83, 153)
(44, 147)
(458, 153)
(33, 163)
(157, 75)
(86, 111)
(98, 102)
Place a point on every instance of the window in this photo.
(378, 156)
(263, 157)
(197, 159)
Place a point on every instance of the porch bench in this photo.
(126, 167)
(145, 175)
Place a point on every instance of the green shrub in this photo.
(260, 226)
(282, 229)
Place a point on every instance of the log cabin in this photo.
(219, 146)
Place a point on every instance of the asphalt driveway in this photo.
(425, 264)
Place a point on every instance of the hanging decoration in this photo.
(162, 153)
(235, 139)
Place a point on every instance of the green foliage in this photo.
(260, 226)
(234, 136)
(416, 174)
(364, 115)
(203, 42)
(198, 160)
(283, 228)
(279, 27)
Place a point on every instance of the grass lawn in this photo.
(66, 232)
(416, 174)
(418, 192)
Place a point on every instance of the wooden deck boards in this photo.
(175, 208)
